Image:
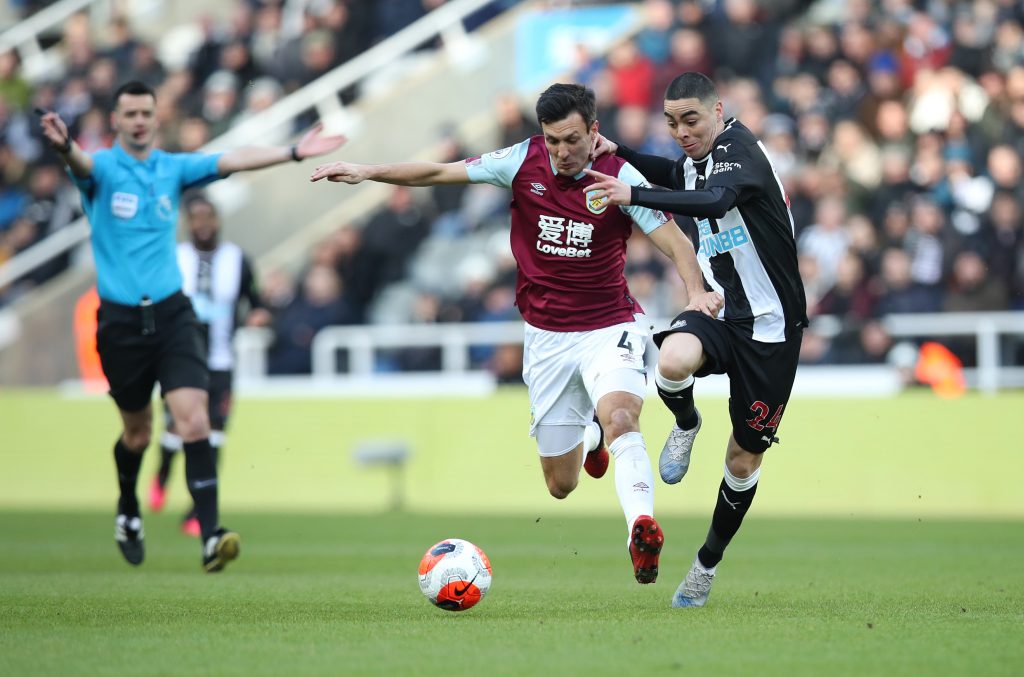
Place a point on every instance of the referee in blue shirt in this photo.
(147, 331)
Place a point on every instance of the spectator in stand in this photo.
(401, 221)
(145, 66)
(261, 94)
(354, 271)
(850, 297)
(321, 304)
(899, 292)
(633, 75)
(653, 41)
(894, 187)
(826, 241)
(93, 131)
(447, 198)
(688, 51)
(14, 89)
(220, 97)
(1004, 168)
(513, 123)
(426, 308)
(973, 289)
(277, 291)
(1003, 233)
(740, 44)
(349, 23)
(927, 243)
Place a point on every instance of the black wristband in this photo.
(634, 194)
(295, 153)
(64, 148)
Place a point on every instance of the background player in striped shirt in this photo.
(218, 278)
(739, 214)
(584, 340)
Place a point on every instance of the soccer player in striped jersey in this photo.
(585, 333)
(735, 204)
(218, 279)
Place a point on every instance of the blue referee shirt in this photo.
(133, 209)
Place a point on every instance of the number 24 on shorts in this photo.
(760, 411)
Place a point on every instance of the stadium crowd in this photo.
(897, 127)
(239, 66)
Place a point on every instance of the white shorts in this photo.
(567, 373)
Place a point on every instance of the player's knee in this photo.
(620, 422)
(194, 425)
(561, 487)
(137, 437)
(679, 359)
(741, 463)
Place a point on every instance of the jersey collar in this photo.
(125, 158)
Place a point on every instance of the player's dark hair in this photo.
(134, 88)
(559, 101)
(193, 198)
(692, 86)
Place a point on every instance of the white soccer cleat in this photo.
(695, 588)
(675, 455)
(130, 538)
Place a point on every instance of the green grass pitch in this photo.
(887, 538)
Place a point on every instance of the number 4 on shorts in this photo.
(624, 342)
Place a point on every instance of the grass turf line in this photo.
(337, 595)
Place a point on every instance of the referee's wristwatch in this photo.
(63, 148)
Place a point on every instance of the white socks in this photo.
(634, 478)
(170, 441)
(671, 386)
(741, 483)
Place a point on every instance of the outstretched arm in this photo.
(399, 173)
(709, 203)
(313, 144)
(56, 132)
(656, 169)
(671, 241)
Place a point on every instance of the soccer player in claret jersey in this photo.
(585, 335)
(729, 191)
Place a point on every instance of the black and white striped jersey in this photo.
(217, 281)
(737, 209)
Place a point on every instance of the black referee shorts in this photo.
(140, 347)
(760, 374)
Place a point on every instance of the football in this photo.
(455, 574)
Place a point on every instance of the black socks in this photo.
(201, 477)
(681, 404)
(732, 505)
(128, 463)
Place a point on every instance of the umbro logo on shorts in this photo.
(677, 324)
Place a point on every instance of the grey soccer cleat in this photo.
(675, 455)
(695, 588)
(129, 536)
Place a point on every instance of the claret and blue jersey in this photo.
(570, 247)
(132, 207)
